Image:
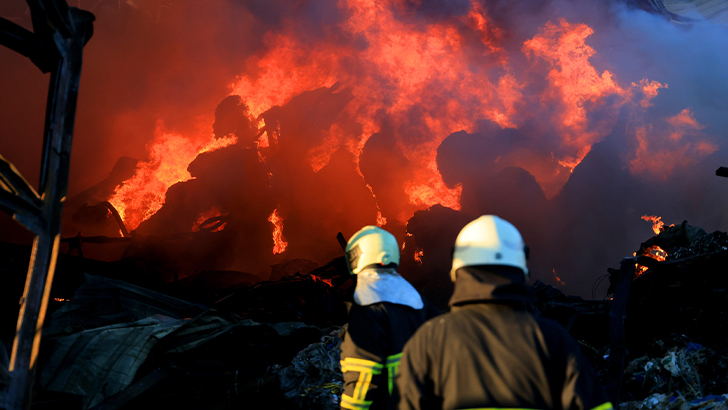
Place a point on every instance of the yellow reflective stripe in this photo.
(351, 403)
(362, 385)
(367, 369)
(392, 369)
(605, 406)
(360, 365)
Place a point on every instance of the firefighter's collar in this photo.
(385, 285)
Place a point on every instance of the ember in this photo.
(654, 252)
(418, 255)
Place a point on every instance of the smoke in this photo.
(570, 119)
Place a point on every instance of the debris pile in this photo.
(677, 369)
(219, 338)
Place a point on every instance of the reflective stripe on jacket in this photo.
(371, 350)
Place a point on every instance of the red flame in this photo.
(279, 241)
(419, 253)
(170, 154)
(444, 69)
(322, 280)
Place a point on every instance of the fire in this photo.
(279, 242)
(557, 277)
(61, 299)
(328, 282)
(434, 77)
(657, 224)
(170, 154)
(675, 143)
(431, 67)
(204, 216)
(419, 253)
(649, 90)
(654, 252)
(576, 84)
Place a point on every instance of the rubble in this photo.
(275, 344)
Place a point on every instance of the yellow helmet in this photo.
(489, 240)
(371, 245)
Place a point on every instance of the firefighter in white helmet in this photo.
(386, 312)
(488, 351)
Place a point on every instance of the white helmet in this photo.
(489, 240)
(371, 245)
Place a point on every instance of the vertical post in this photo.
(61, 33)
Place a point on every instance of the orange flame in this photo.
(557, 277)
(684, 146)
(419, 253)
(654, 252)
(279, 241)
(657, 224)
(141, 196)
(576, 83)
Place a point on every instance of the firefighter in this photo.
(386, 312)
(488, 351)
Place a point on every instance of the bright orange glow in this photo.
(654, 252)
(419, 253)
(557, 277)
(657, 224)
(685, 145)
(204, 216)
(576, 84)
(649, 90)
(170, 154)
(279, 241)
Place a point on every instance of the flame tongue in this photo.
(170, 154)
(279, 242)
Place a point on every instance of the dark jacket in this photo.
(372, 347)
(489, 352)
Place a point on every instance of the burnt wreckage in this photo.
(124, 333)
(219, 338)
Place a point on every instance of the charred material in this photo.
(55, 46)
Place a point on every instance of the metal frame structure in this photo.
(56, 46)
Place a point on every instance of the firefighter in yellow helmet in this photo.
(386, 312)
(488, 351)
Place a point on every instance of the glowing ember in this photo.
(279, 242)
(419, 253)
(322, 280)
(170, 154)
(654, 252)
(206, 215)
(557, 277)
(61, 300)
